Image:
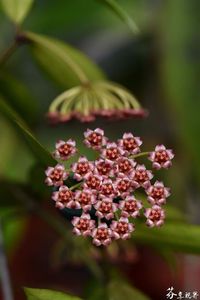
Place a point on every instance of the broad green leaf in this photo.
(10, 143)
(96, 290)
(16, 10)
(175, 214)
(43, 294)
(65, 64)
(37, 149)
(10, 113)
(37, 175)
(121, 13)
(174, 236)
(42, 154)
(120, 290)
(18, 96)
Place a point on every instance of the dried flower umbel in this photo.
(88, 101)
(104, 190)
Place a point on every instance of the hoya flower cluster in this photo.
(104, 189)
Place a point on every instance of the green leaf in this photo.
(16, 10)
(66, 65)
(43, 294)
(175, 236)
(43, 155)
(121, 13)
(37, 175)
(175, 214)
(120, 290)
(10, 143)
(96, 290)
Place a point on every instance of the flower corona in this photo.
(105, 191)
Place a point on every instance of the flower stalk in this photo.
(141, 154)
(8, 52)
(73, 187)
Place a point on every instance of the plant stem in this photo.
(5, 277)
(8, 52)
(116, 215)
(140, 154)
(75, 186)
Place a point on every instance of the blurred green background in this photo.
(161, 66)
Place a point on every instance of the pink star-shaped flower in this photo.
(64, 150)
(112, 151)
(122, 228)
(63, 196)
(83, 225)
(56, 175)
(102, 235)
(105, 208)
(155, 216)
(157, 193)
(82, 168)
(130, 144)
(130, 207)
(161, 157)
(141, 177)
(86, 198)
(95, 138)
